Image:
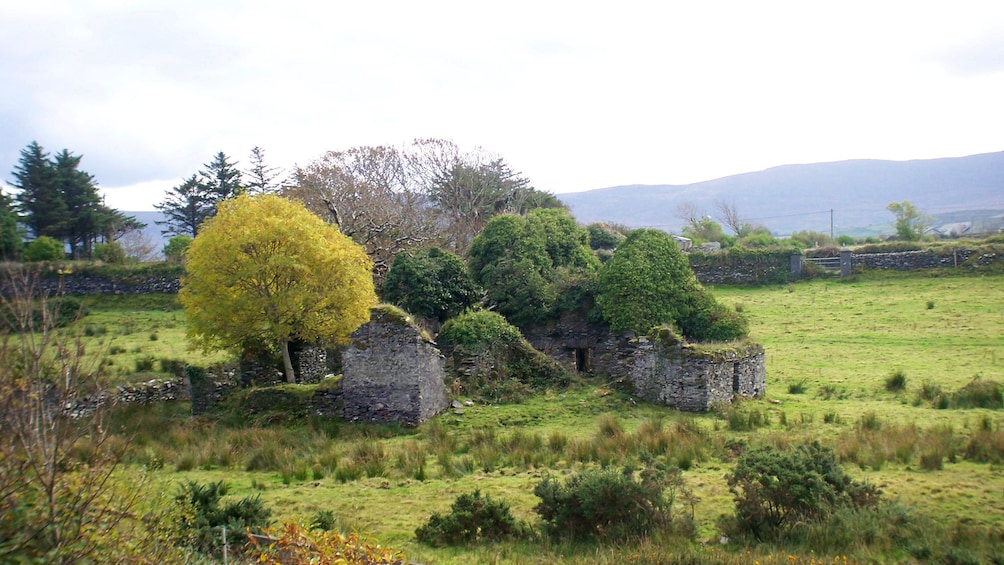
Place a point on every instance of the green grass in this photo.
(838, 341)
(134, 333)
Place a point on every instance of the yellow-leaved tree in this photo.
(266, 270)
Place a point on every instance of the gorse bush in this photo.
(473, 518)
(606, 504)
(774, 490)
(203, 518)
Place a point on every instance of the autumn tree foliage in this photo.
(265, 270)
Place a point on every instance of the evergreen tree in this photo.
(39, 201)
(185, 208)
(10, 233)
(84, 213)
(262, 178)
(195, 200)
(221, 180)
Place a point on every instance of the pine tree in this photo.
(10, 233)
(221, 180)
(39, 201)
(185, 208)
(262, 178)
(84, 216)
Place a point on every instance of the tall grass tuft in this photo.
(797, 387)
(896, 381)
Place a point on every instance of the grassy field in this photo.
(135, 333)
(868, 366)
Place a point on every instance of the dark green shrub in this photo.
(648, 282)
(43, 248)
(433, 284)
(708, 320)
(203, 518)
(774, 490)
(472, 519)
(517, 260)
(606, 504)
(797, 387)
(477, 332)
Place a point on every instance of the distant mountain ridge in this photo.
(790, 198)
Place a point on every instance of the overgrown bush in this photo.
(433, 284)
(517, 261)
(473, 518)
(774, 490)
(649, 282)
(606, 504)
(491, 359)
(203, 518)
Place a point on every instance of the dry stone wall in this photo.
(391, 373)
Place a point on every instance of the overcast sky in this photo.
(576, 95)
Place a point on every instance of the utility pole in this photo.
(831, 223)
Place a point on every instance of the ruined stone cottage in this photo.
(661, 368)
(391, 372)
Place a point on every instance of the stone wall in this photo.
(391, 373)
(914, 260)
(310, 363)
(86, 284)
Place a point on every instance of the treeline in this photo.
(57, 209)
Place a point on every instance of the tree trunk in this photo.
(287, 363)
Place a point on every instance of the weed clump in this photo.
(797, 387)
